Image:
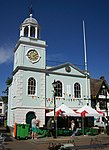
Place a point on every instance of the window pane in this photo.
(77, 90)
(102, 104)
(31, 86)
(58, 89)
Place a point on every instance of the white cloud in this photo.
(6, 54)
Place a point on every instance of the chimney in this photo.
(102, 78)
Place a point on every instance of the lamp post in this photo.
(55, 118)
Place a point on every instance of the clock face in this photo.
(33, 55)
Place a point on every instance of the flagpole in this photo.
(85, 62)
(85, 55)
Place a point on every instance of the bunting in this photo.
(50, 100)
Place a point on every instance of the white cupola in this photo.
(30, 28)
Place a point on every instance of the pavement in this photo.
(84, 142)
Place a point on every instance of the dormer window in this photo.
(103, 92)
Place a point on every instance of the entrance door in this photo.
(29, 116)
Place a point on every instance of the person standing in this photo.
(73, 128)
(34, 128)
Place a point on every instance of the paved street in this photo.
(80, 142)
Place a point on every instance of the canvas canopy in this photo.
(88, 111)
(63, 110)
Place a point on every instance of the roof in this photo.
(30, 20)
(96, 84)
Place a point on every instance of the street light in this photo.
(55, 118)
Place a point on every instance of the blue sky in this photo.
(61, 26)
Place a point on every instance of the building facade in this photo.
(100, 95)
(2, 108)
(31, 92)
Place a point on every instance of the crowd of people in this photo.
(50, 127)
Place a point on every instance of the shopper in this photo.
(34, 128)
(50, 127)
(73, 128)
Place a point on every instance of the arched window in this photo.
(77, 90)
(31, 86)
(32, 31)
(26, 31)
(58, 89)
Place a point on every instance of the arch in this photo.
(77, 90)
(26, 31)
(32, 31)
(29, 116)
(31, 86)
(58, 89)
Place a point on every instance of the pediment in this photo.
(67, 68)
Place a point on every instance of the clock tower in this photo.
(27, 92)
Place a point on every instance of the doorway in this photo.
(29, 116)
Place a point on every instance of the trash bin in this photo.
(60, 132)
(22, 131)
(66, 132)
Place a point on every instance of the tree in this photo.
(8, 83)
(4, 99)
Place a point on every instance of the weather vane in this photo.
(30, 8)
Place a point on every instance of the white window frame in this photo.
(80, 91)
(62, 89)
(35, 87)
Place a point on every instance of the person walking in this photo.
(73, 128)
(34, 128)
(50, 127)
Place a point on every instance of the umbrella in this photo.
(63, 110)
